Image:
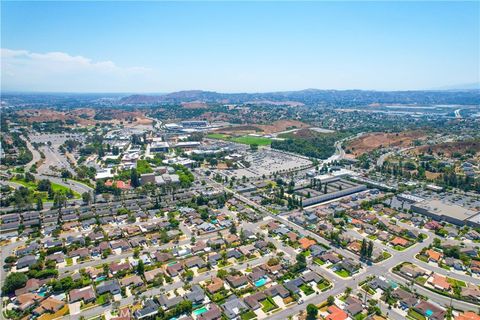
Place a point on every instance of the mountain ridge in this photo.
(306, 96)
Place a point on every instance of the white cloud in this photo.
(59, 71)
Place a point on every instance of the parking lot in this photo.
(53, 158)
(267, 162)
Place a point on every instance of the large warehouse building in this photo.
(444, 211)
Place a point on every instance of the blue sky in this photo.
(238, 46)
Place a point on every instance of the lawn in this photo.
(261, 141)
(103, 299)
(399, 248)
(58, 187)
(455, 282)
(444, 266)
(56, 315)
(55, 187)
(306, 253)
(268, 305)
(29, 185)
(421, 257)
(69, 261)
(343, 273)
(360, 316)
(415, 315)
(248, 315)
(218, 136)
(323, 285)
(307, 289)
(368, 289)
(318, 261)
(372, 237)
(385, 255)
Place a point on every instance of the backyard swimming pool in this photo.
(261, 282)
(200, 311)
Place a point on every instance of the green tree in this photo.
(44, 185)
(301, 263)
(312, 311)
(86, 197)
(140, 267)
(233, 228)
(363, 249)
(370, 249)
(330, 300)
(39, 204)
(59, 200)
(134, 179)
(14, 281)
(348, 290)
(222, 273)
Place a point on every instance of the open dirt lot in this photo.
(194, 105)
(42, 115)
(375, 140)
(85, 116)
(282, 125)
(277, 126)
(449, 148)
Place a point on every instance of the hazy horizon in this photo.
(477, 87)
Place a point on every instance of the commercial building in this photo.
(443, 211)
(333, 195)
(194, 124)
(159, 146)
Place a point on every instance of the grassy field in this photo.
(29, 185)
(55, 187)
(261, 141)
(220, 136)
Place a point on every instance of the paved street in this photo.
(157, 291)
(382, 268)
(339, 283)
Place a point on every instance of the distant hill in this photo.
(334, 98)
(313, 96)
(461, 87)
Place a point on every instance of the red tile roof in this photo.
(335, 313)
